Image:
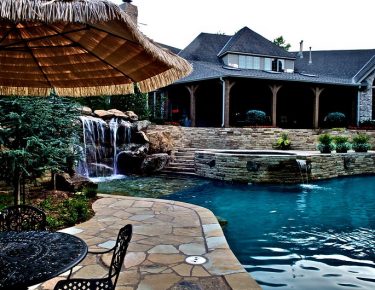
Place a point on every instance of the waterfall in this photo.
(101, 142)
(303, 169)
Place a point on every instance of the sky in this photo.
(321, 24)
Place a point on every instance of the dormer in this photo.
(249, 50)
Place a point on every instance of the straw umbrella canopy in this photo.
(78, 48)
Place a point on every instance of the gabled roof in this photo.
(249, 42)
(173, 49)
(338, 67)
(205, 47)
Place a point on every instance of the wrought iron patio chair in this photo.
(109, 282)
(22, 218)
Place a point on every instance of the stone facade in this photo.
(253, 168)
(365, 100)
(248, 138)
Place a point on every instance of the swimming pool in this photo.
(317, 236)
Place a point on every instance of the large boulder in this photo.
(141, 125)
(103, 114)
(73, 183)
(132, 116)
(160, 142)
(155, 162)
(86, 111)
(130, 161)
(117, 113)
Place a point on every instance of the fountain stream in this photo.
(302, 165)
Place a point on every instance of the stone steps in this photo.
(182, 163)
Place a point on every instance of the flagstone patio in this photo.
(165, 233)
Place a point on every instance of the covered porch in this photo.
(224, 102)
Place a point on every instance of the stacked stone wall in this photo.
(253, 168)
(249, 138)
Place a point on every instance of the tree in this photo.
(36, 135)
(279, 41)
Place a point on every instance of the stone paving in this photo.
(165, 233)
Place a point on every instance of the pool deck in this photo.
(165, 233)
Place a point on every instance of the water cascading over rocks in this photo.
(101, 143)
(114, 143)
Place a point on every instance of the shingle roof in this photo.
(207, 70)
(205, 47)
(336, 63)
(175, 50)
(341, 67)
(248, 41)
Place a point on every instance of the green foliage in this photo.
(256, 117)
(96, 103)
(325, 144)
(75, 210)
(283, 142)
(361, 142)
(90, 191)
(280, 41)
(335, 119)
(361, 138)
(137, 102)
(37, 134)
(342, 144)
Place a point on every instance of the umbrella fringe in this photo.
(24, 91)
(95, 91)
(59, 10)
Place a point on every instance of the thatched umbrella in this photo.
(78, 48)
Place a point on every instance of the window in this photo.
(256, 62)
(233, 60)
(242, 61)
(267, 64)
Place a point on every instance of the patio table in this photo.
(29, 258)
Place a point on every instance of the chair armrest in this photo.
(100, 252)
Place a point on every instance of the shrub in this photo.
(325, 144)
(75, 210)
(342, 144)
(283, 142)
(90, 191)
(335, 119)
(361, 143)
(256, 117)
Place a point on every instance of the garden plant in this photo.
(325, 144)
(361, 142)
(342, 144)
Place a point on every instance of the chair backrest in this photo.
(22, 218)
(123, 239)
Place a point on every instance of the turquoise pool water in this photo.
(317, 236)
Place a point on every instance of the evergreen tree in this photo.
(36, 135)
(279, 41)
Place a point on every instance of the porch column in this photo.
(317, 91)
(192, 89)
(274, 89)
(227, 86)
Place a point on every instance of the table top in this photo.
(29, 258)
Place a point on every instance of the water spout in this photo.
(303, 169)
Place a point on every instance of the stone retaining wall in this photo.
(252, 168)
(247, 138)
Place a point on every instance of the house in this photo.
(234, 74)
